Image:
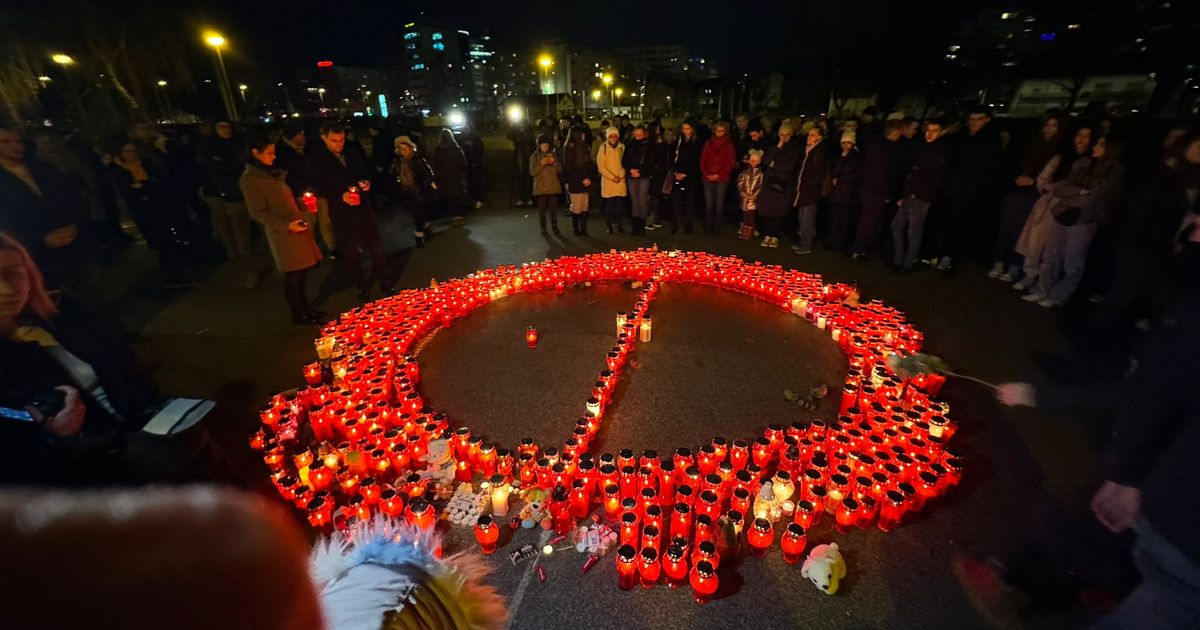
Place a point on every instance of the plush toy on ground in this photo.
(824, 567)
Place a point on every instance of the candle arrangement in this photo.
(349, 444)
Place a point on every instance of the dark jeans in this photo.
(294, 292)
(870, 223)
(684, 202)
(714, 202)
(908, 230)
(770, 226)
(547, 205)
(842, 218)
(356, 230)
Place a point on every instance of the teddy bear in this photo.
(824, 567)
(439, 465)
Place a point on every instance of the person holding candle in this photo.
(342, 178)
(289, 235)
(546, 171)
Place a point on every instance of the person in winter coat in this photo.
(1061, 176)
(642, 164)
(412, 185)
(971, 179)
(878, 186)
(810, 188)
(450, 173)
(1021, 197)
(290, 158)
(579, 170)
(472, 147)
(685, 174)
(1077, 216)
(147, 198)
(749, 185)
(545, 170)
(344, 178)
(920, 188)
(521, 136)
(222, 158)
(613, 192)
(780, 164)
(662, 143)
(273, 204)
(717, 161)
(843, 198)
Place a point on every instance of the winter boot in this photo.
(583, 220)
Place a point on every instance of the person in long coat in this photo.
(811, 186)
(450, 174)
(613, 191)
(273, 204)
(780, 164)
(843, 198)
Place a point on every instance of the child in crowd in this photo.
(749, 184)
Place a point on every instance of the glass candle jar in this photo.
(627, 567)
(675, 566)
(648, 567)
(487, 533)
(793, 542)
(759, 537)
(704, 581)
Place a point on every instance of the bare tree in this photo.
(18, 81)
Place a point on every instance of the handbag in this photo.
(669, 183)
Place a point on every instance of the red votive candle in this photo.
(648, 567)
(759, 537)
(627, 566)
(675, 566)
(792, 543)
(704, 581)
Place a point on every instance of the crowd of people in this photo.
(1073, 200)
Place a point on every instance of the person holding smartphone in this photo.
(73, 401)
(273, 204)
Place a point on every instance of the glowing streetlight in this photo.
(608, 79)
(217, 42)
(321, 91)
(162, 83)
(242, 87)
(515, 113)
(618, 92)
(596, 94)
(62, 59)
(545, 61)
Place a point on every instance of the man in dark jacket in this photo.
(290, 156)
(878, 186)
(922, 186)
(974, 171)
(342, 178)
(521, 136)
(44, 209)
(223, 162)
(810, 189)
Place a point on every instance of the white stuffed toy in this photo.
(824, 567)
(439, 464)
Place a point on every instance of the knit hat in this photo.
(896, 116)
(612, 131)
(404, 140)
(543, 139)
(850, 136)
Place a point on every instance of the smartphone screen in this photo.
(15, 414)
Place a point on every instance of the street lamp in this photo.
(545, 61)
(217, 42)
(608, 79)
(164, 100)
(66, 61)
(619, 92)
(242, 87)
(596, 97)
(321, 91)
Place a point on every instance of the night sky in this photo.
(282, 34)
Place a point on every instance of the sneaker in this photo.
(1036, 296)
(766, 242)
(1005, 277)
(801, 250)
(1024, 284)
(944, 264)
(1096, 298)
(651, 226)
(1049, 303)
(774, 242)
(997, 270)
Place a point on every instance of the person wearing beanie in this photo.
(749, 185)
(413, 185)
(545, 171)
(843, 197)
(613, 191)
(579, 171)
(716, 163)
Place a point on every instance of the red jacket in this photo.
(717, 158)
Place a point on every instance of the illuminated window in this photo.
(439, 46)
(436, 36)
(418, 66)
(412, 35)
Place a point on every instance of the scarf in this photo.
(269, 170)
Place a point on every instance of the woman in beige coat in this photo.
(273, 204)
(612, 179)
